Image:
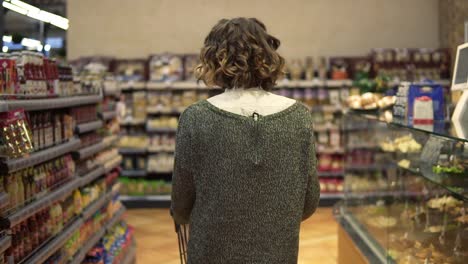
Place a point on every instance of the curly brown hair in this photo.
(239, 53)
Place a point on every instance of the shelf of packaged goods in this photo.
(327, 150)
(108, 115)
(133, 173)
(159, 172)
(331, 195)
(338, 83)
(183, 85)
(48, 249)
(115, 218)
(41, 203)
(327, 174)
(12, 165)
(96, 205)
(130, 255)
(153, 111)
(87, 152)
(88, 127)
(132, 86)
(301, 83)
(5, 243)
(148, 201)
(132, 151)
(49, 103)
(112, 92)
(112, 164)
(92, 175)
(133, 122)
(443, 82)
(90, 243)
(157, 150)
(325, 128)
(93, 240)
(110, 140)
(4, 200)
(368, 167)
(161, 129)
(163, 198)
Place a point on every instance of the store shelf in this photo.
(161, 129)
(132, 86)
(12, 165)
(92, 241)
(41, 203)
(112, 164)
(338, 83)
(88, 127)
(160, 172)
(115, 218)
(325, 174)
(325, 196)
(132, 151)
(110, 140)
(50, 103)
(43, 253)
(5, 243)
(145, 198)
(108, 115)
(151, 111)
(148, 201)
(369, 167)
(91, 176)
(301, 83)
(130, 255)
(96, 205)
(321, 150)
(4, 200)
(133, 173)
(181, 85)
(88, 245)
(156, 151)
(112, 92)
(325, 127)
(326, 108)
(89, 151)
(133, 122)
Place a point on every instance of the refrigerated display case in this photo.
(405, 194)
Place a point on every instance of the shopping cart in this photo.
(182, 235)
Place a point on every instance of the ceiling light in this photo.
(36, 13)
(14, 8)
(47, 47)
(5, 49)
(30, 43)
(7, 38)
(40, 47)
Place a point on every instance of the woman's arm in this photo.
(312, 196)
(183, 188)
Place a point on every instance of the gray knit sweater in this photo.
(244, 183)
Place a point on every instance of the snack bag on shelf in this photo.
(15, 135)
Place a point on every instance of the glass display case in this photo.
(406, 193)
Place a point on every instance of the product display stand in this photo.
(410, 205)
(105, 166)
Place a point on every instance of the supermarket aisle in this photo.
(157, 241)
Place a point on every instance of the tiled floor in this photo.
(157, 240)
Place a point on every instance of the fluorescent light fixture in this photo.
(5, 49)
(30, 43)
(47, 47)
(14, 8)
(24, 5)
(7, 38)
(36, 13)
